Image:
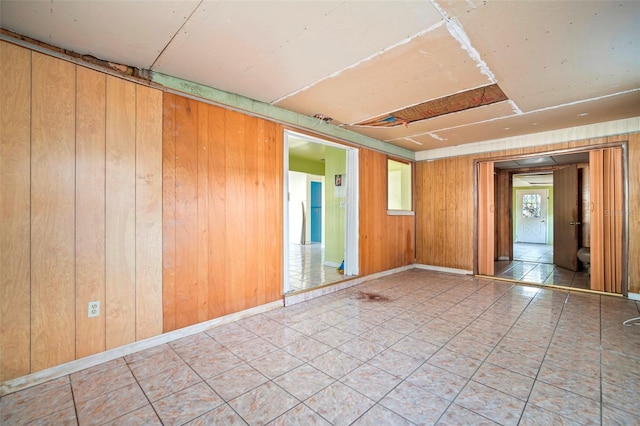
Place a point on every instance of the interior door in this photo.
(531, 216)
(486, 220)
(566, 224)
(316, 211)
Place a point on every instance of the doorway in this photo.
(531, 216)
(515, 218)
(320, 221)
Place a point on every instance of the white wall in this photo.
(297, 197)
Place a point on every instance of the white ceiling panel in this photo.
(238, 46)
(393, 80)
(127, 32)
(546, 53)
(561, 63)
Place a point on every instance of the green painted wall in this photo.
(303, 165)
(549, 210)
(335, 213)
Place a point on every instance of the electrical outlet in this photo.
(94, 309)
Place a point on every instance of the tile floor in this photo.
(307, 269)
(533, 263)
(445, 349)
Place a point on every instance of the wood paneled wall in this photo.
(445, 205)
(444, 222)
(386, 242)
(222, 204)
(80, 199)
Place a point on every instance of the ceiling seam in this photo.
(175, 34)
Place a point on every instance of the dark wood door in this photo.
(566, 220)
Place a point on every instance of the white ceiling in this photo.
(560, 63)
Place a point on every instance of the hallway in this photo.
(307, 269)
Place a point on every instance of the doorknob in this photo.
(574, 223)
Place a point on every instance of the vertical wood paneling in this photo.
(90, 209)
(236, 238)
(120, 212)
(69, 199)
(228, 211)
(217, 202)
(597, 231)
(262, 267)
(251, 189)
(15, 206)
(486, 213)
(186, 212)
(634, 212)
(148, 213)
(386, 242)
(168, 213)
(203, 212)
(273, 244)
(52, 212)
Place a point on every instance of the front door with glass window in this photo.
(531, 216)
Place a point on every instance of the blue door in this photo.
(316, 212)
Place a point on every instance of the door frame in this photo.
(587, 148)
(351, 246)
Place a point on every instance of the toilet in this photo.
(584, 255)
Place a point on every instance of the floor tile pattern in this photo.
(307, 269)
(533, 263)
(444, 349)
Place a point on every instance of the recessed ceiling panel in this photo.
(469, 99)
(267, 50)
(485, 113)
(551, 53)
(429, 67)
(127, 32)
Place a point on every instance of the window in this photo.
(399, 189)
(531, 205)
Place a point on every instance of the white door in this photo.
(531, 216)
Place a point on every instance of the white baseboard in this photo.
(331, 264)
(443, 269)
(33, 379)
(39, 377)
(634, 296)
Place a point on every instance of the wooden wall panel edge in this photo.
(168, 214)
(52, 212)
(90, 210)
(235, 210)
(217, 207)
(204, 256)
(187, 287)
(633, 219)
(15, 204)
(120, 180)
(148, 213)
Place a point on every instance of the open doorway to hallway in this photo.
(317, 208)
(529, 247)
